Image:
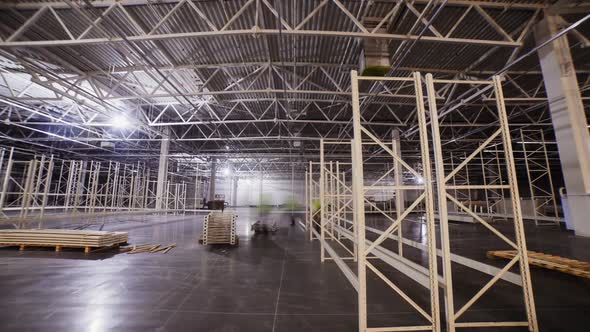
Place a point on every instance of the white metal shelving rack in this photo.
(323, 184)
(445, 190)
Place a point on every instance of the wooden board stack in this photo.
(61, 238)
(220, 228)
(148, 248)
(565, 265)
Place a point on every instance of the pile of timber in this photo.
(220, 228)
(61, 238)
(565, 265)
(149, 248)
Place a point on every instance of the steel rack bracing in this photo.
(429, 278)
(540, 180)
(46, 187)
(501, 136)
(500, 178)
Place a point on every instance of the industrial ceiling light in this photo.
(227, 147)
(419, 180)
(226, 171)
(121, 121)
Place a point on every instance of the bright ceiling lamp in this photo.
(226, 172)
(120, 121)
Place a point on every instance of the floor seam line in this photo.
(190, 293)
(274, 322)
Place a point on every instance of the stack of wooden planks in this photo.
(149, 248)
(220, 228)
(565, 265)
(61, 238)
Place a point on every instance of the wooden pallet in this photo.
(219, 228)
(556, 263)
(58, 248)
(62, 238)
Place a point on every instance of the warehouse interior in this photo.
(287, 165)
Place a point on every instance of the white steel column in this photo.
(163, 168)
(322, 202)
(197, 197)
(516, 210)
(306, 200)
(212, 179)
(6, 180)
(569, 122)
(358, 203)
(311, 197)
(260, 198)
(428, 204)
(234, 202)
(398, 181)
(46, 189)
(442, 205)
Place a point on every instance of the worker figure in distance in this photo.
(264, 224)
(292, 205)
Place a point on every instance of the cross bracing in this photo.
(256, 75)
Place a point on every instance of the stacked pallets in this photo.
(219, 228)
(61, 238)
(565, 265)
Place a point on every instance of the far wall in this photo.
(277, 191)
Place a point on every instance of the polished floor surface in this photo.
(268, 283)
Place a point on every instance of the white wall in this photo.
(278, 191)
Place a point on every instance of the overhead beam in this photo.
(27, 5)
(342, 66)
(254, 32)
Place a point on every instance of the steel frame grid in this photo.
(312, 190)
(360, 282)
(364, 247)
(45, 23)
(31, 187)
(444, 195)
(216, 27)
(492, 175)
(460, 178)
(317, 189)
(336, 198)
(491, 202)
(538, 170)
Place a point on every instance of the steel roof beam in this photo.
(28, 5)
(254, 33)
(344, 67)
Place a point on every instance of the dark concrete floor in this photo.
(268, 283)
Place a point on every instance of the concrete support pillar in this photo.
(234, 201)
(569, 122)
(212, 179)
(163, 168)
